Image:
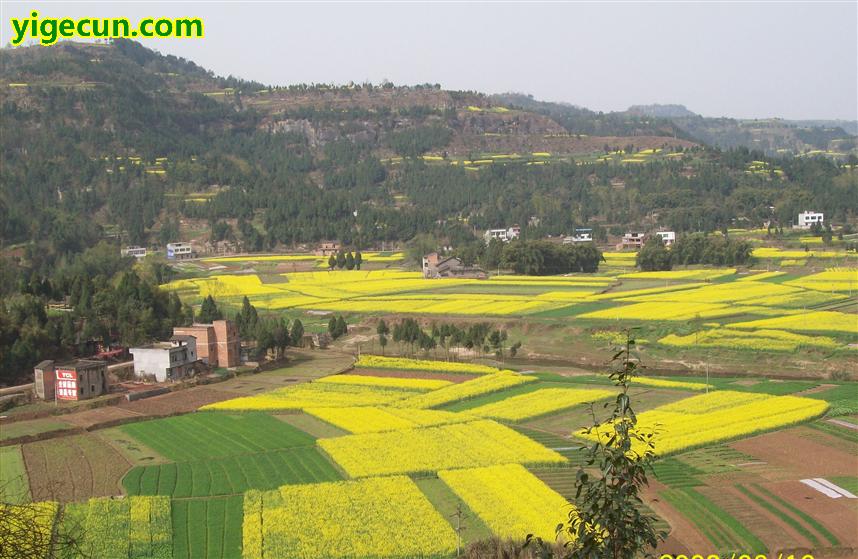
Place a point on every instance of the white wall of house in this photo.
(807, 219)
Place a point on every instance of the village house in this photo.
(437, 266)
(504, 235)
(631, 240)
(580, 236)
(179, 251)
(807, 219)
(217, 344)
(78, 380)
(166, 361)
(327, 248)
(135, 251)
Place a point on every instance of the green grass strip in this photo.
(685, 505)
(812, 522)
(780, 514)
(835, 430)
(752, 542)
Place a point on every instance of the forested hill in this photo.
(117, 141)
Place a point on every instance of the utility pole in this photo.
(459, 516)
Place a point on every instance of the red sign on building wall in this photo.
(67, 387)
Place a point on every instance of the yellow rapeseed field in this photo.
(402, 363)
(416, 384)
(539, 402)
(702, 274)
(314, 395)
(761, 276)
(462, 391)
(430, 449)
(665, 383)
(817, 321)
(662, 311)
(510, 500)
(719, 416)
(378, 517)
(761, 340)
(376, 419)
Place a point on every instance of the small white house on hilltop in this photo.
(135, 251)
(505, 235)
(580, 236)
(807, 219)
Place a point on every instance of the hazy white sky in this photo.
(740, 59)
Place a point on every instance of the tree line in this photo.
(696, 248)
(410, 337)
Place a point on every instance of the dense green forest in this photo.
(66, 158)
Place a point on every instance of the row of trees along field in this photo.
(536, 258)
(480, 338)
(347, 260)
(696, 248)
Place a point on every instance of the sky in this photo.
(795, 60)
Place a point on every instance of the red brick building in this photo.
(218, 343)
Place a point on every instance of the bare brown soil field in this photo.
(313, 425)
(773, 531)
(73, 468)
(95, 416)
(838, 515)
(177, 402)
(803, 452)
(412, 374)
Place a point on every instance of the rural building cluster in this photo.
(189, 351)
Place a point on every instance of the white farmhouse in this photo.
(173, 360)
(580, 236)
(807, 219)
(504, 235)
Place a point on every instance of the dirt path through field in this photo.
(684, 536)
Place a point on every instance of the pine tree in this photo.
(382, 330)
(209, 311)
(297, 332)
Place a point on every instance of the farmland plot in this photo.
(376, 517)
(206, 435)
(430, 449)
(131, 527)
(719, 416)
(14, 483)
(231, 475)
(209, 528)
(73, 468)
(510, 500)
